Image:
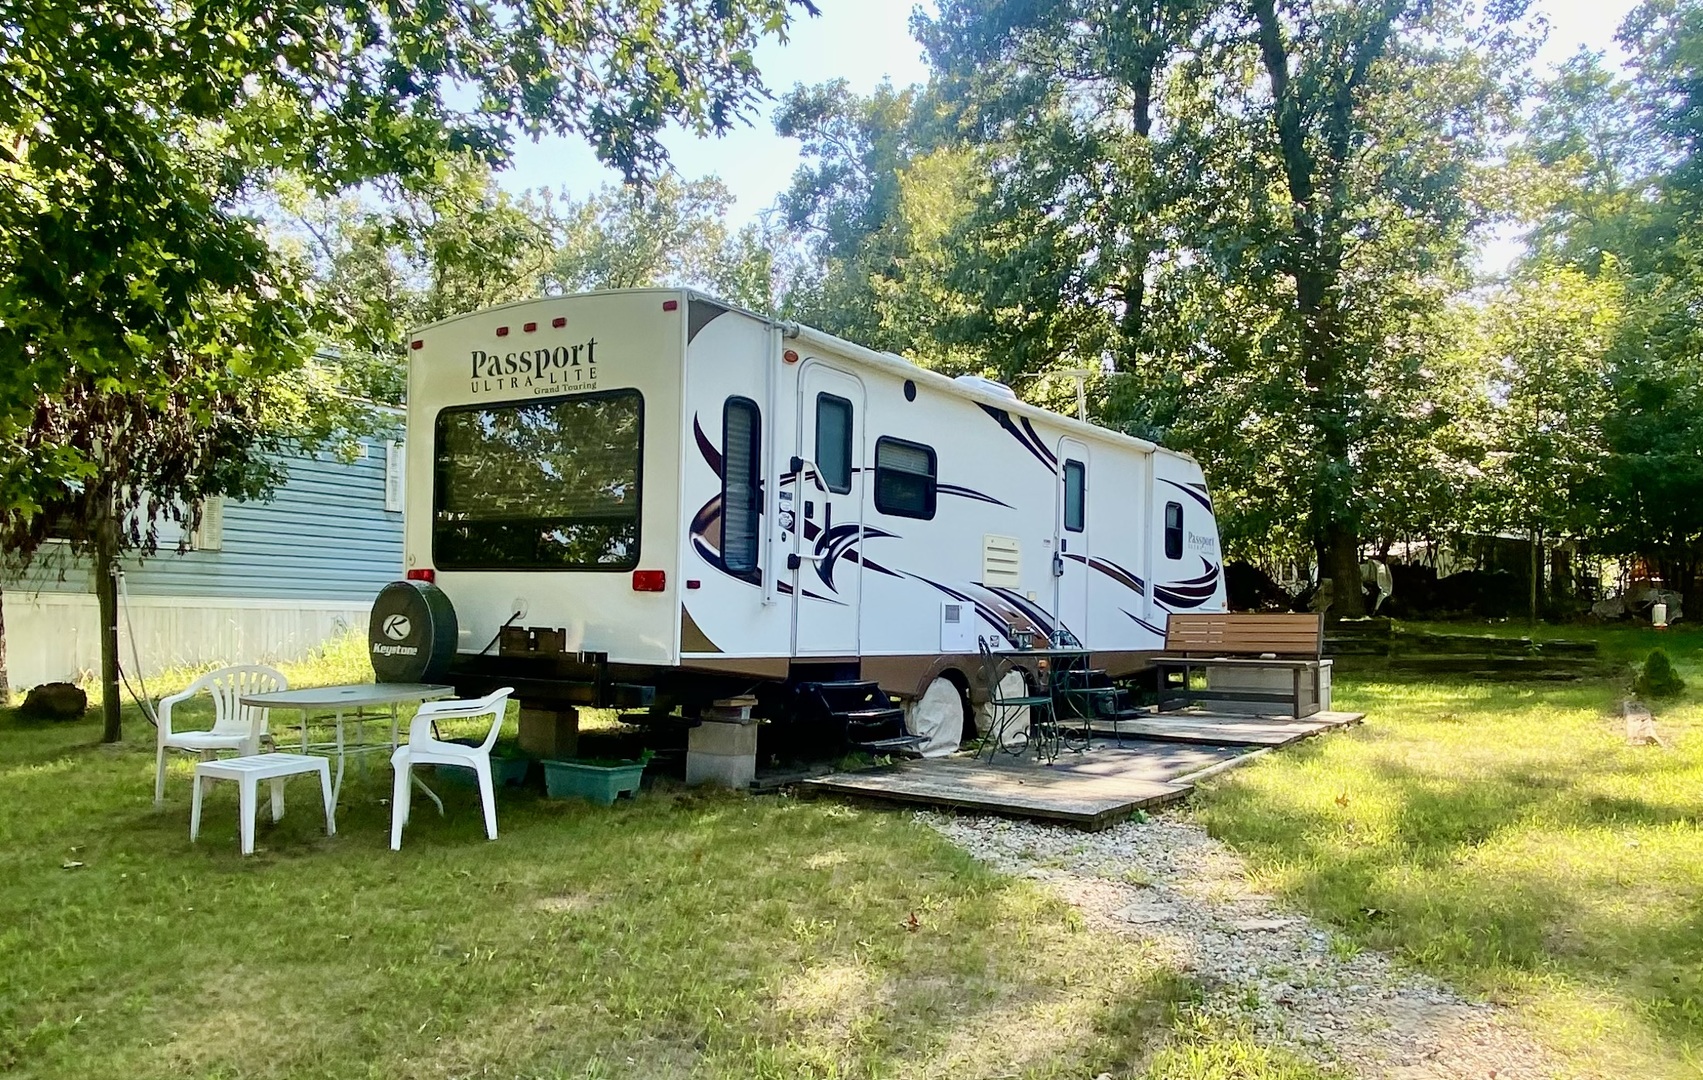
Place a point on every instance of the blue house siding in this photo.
(324, 535)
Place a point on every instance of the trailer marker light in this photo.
(671, 305)
(649, 580)
(417, 344)
(693, 583)
(530, 327)
(502, 331)
(558, 322)
(790, 356)
(423, 573)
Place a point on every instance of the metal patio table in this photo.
(339, 702)
(1048, 735)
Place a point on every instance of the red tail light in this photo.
(423, 573)
(649, 580)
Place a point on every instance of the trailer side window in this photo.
(741, 438)
(1173, 530)
(1075, 486)
(539, 485)
(834, 442)
(904, 478)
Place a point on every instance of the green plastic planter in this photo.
(600, 781)
(509, 771)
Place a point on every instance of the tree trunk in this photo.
(105, 552)
(1348, 600)
(1315, 170)
(1536, 571)
(5, 678)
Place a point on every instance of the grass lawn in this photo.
(682, 935)
(1506, 837)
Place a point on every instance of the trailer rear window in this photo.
(539, 485)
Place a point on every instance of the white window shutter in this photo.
(210, 534)
(393, 474)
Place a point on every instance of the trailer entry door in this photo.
(827, 502)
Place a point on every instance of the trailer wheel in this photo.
(938, 716)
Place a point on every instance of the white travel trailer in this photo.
(650, 497)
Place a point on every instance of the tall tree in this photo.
(1365, 102)
(1549, 339)
(1063, 96)
(674, 232)
(1618, 197)
(130, 133)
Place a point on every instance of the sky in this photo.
(866, 41)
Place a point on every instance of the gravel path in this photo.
(1166, 881)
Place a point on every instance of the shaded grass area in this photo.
(1506, 837)
(685, 934)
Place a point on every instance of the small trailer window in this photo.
(1173, 530)
(546, 485)
(741, 437)
(904, 478)
(1075, 484)
(834, 442)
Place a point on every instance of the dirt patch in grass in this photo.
(565, 904)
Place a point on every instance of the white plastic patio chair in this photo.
(424, 748)
(236, 726)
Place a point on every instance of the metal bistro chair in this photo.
(1016, 721)
(1087, 697)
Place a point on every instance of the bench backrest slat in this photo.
(1226, 634)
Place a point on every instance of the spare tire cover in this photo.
(412, 633)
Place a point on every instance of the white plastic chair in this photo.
(236, 726)
(424, 748)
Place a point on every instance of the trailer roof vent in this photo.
(986, 386)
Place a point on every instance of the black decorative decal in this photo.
(968, 493)
(1039, 451)
(699, 314)
(1197, 492)
(1144, 623)
(1191, 593)
(1112, 570)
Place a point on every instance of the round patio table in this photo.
(339, 702)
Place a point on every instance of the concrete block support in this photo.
(549, 732)
(723, 748)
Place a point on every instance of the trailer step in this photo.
(865, 715)
(901, 745)
(860, 711)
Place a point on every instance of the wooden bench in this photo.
(1258, 660)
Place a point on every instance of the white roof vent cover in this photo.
(986, 386)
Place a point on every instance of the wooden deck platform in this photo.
(1091, 790)
(1234, 729)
